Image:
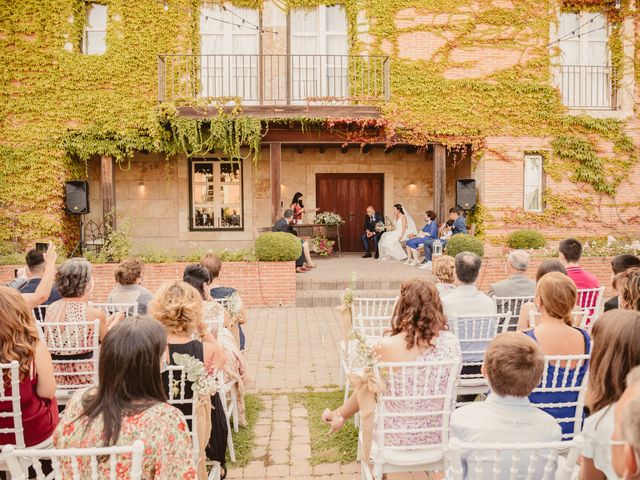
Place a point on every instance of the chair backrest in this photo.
(591, 300)
(10, 372)
(75, 351)
(213, 320)
(371, 327)
(373, 307)
(561, 391)
(76, 463)
(416, 404)
(475, 332)
(512, 461)
(178, 396)
(110, 308)
(40, 312)
(511, 304)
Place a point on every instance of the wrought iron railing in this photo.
(586, 86)
(275, 79)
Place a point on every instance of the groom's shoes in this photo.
(377, 255)
(367, 255)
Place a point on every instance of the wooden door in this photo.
(349, 194)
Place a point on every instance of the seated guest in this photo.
(456, 224)
(529, 308)
(303, 263)
(570, 251)
(625, 440)
(128, 404)
(444, 268)
(620, 264)
(46, 284)
(213, 264)
(556, 296)
(616, 351)
(33, 276)
(429, 232)
(370, 221)
(517, 284)
(513, 366)
(629, 285)
(20, 341)
(128, 276)
(466, 299)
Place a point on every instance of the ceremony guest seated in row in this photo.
(428, 233)
(29, 277)
(456, 225)
(620, 264)
(303, 263)
(513, 366)
(19, 341)
(629, 284)
(444, 270)
(529, 308)
(517, 284)
(570, 252)
(555, 298)
(129, 404)
(128, 277)
(43, 290)
(616, 351)
(466, 299)
(625, 448)
(198, 277)
(370, 233)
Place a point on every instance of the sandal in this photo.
(334, 419)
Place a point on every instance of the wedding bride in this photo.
(389, 245)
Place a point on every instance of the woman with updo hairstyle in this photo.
(418, 333)
(556, 296)
(443, 268)
(128, 277)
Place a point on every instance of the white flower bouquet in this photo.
(328, 218)
(233, 304)
(205, 380)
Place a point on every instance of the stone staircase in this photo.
(313, 292)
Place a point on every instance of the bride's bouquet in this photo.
(387, 226)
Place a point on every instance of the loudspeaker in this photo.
(466, 193)
(76, 197)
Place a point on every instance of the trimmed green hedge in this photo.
(278, 247)
(526, 239)
(464, 243)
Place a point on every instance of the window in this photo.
(95, 30)
(216, 194)
(585, 71)
(533, 182)
(229, 65)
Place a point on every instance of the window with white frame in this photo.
(533, 182)
(229, 44)
(585, 69)
(94, 37)
(216, 194)
(319, 48)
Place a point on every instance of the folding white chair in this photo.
(40, 312)
(229, 398)
(129, 309)
(511, 304)
(75, 463)
(561, 391)
(591, 300)
(75, 352)
(513, 461)
(416, 405)
(212, 320)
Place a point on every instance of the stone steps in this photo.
(331, 297)
(314, 284)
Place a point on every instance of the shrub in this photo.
(464, 243)
(526, 239)
(277, 247)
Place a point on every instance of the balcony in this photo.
(587, 87)
(275, 80)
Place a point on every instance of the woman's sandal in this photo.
(334, 419)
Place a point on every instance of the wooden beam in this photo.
(344, 148)
(367, 148)
(439, 180)
(275, 160)
(107, 190)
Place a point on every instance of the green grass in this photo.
(327, 448)
(244, 440)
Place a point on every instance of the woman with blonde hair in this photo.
(444, 268)
(616, 351)
(556, 296)
(628, 283)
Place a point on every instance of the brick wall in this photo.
(259, 283)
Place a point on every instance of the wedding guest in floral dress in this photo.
(129, 404)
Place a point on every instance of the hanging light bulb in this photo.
(618, 2)
(166, 6)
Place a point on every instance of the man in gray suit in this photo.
(517, 284)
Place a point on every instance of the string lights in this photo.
(576, 33)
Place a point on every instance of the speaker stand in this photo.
(81, 245)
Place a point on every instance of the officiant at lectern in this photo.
(370, 233)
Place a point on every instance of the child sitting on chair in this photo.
(513, 366)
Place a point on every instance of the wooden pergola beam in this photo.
(439, 180)
(275, 167)
(107, 190)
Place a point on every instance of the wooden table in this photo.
(332, 232)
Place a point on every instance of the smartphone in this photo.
(15, 273)
(42, 247)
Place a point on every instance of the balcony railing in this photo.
(586, 86)
(275, 79)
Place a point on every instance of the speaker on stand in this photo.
(76, 201)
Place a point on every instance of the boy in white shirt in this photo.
(513, 366)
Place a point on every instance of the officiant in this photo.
(370, 234)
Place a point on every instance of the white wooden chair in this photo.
(75, 463)
(75, 352)
(591, 300)
(513, 461)
(511, 304)
(563, 376)
(129, 309)
(213, 322)
(419, 397)
(40, 312)
(229, 398)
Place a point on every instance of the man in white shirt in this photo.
(466, 299)
(513, 366)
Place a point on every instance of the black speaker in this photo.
(466, 193)
(76, 197)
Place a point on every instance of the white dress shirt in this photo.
(504, 420)
(467, 300)
(597, 437)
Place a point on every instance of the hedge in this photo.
(464, 243)
(278, 247)
(526, 239)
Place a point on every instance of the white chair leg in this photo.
(234, 412)
(377, 471)
(232, 450)
(214, 473)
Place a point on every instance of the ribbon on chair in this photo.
(366, 386)
(231, 323)
(203, 416)
(347, 320)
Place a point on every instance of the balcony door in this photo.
(585, 72)
(229, 48)
(319, 47)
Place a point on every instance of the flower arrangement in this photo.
(346, 296)
(323, 246)
(385, 226)
(233, 304)
(364, 354)
(205, 380)
(328, 218)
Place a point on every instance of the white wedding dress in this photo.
(389, 246)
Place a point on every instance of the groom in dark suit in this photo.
(370, 231)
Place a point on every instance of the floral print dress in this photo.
(168, 453)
